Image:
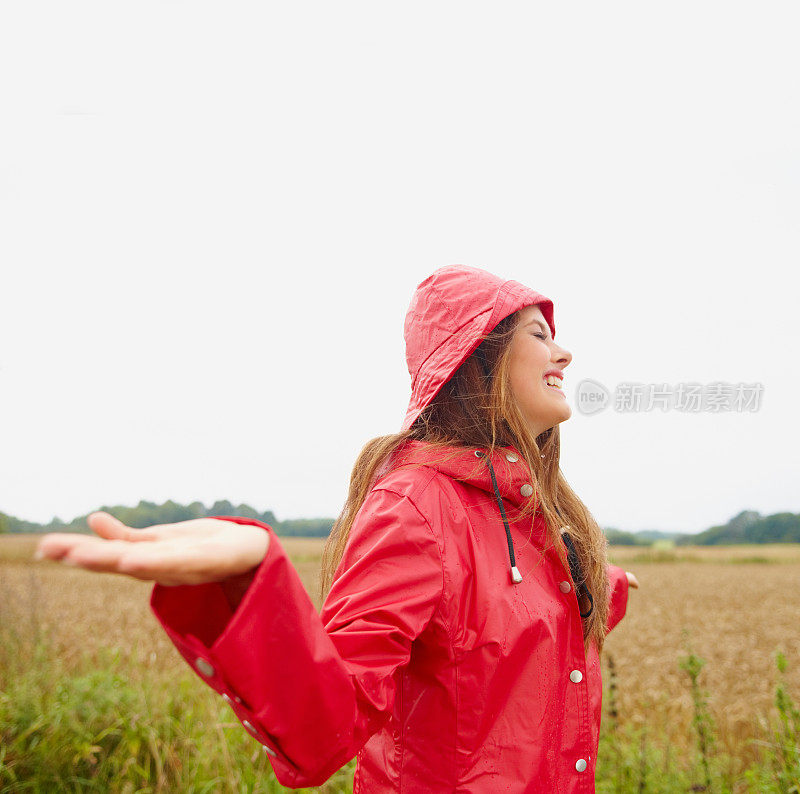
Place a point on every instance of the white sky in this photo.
(213, 217)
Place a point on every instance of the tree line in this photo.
(749, 526)
(146, 514)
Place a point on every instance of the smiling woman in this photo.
(467, 589)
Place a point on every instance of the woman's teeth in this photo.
(552, 380)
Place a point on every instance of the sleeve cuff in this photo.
(197, 617)
(271, 659)
(618, 605)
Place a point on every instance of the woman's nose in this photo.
(562, 356)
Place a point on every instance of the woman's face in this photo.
(534, 354)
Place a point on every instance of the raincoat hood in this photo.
(449, 316)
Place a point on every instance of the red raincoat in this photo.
(427, 660)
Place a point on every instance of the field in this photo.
(93, 696)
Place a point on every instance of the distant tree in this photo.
(739, 523)
(777, 528)
(221, 508)
(268, 517)
(197, 510)
(172, 512)
(617, 537)
(749, 527)
(305, 527)
(245, 511)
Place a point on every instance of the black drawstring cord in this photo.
(577, 573)
(516, 576)
(572, 555)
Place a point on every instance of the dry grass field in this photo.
(735, 614)
(735, 606)
(80, 611)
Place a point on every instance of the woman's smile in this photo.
(553, 381)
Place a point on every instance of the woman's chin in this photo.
(562, 417)
(552, 419)
(564, 413)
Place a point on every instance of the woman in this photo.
(467, 590)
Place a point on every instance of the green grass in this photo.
(635, 758)
(95, 731)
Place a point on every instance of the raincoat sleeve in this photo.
(619, 596)
(312, 688)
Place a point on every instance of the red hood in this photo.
(451, 312)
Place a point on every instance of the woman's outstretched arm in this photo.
(312, 689)
(621, 581)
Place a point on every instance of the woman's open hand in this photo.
(632, 580)
(189, 552)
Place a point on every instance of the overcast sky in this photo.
(213, 218)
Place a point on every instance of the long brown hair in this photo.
(476, 408)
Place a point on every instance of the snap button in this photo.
(512, 458)
(204, 667)
(564, 587)
(576, 676)
(526, 490)
(580, 764)
(249, 726)
(270, 751)
(228, 699)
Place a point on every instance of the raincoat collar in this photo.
(510, 485)
(501, 473)
(461, 463)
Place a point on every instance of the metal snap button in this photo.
(204, 667)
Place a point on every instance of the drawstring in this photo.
(516, 576)
(572, 555)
